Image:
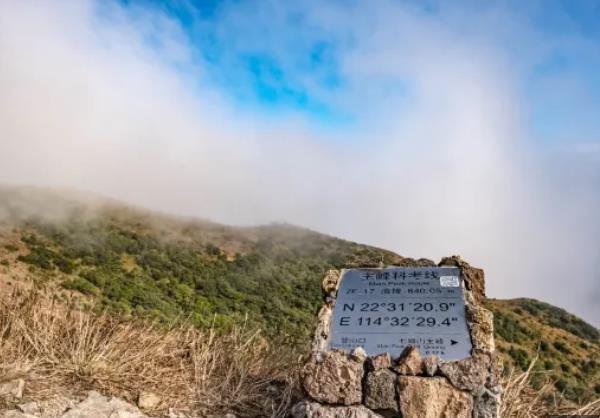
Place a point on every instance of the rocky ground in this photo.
(93, 405)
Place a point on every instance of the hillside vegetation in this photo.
(135, 263)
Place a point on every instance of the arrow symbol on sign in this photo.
(452, 342)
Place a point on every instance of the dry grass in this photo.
(61, 350)
(520, 400)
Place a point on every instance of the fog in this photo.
(448, 165)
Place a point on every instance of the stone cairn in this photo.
(341, 384)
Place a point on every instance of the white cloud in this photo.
(86, 103)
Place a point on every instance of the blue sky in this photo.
(278, 59)
(429, 129)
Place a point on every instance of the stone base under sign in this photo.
(339, 384)
(342, 384)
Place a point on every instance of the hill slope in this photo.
(139, 263)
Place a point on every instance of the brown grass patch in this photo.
(62, 350)
(521, 400)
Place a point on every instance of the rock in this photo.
(98, 406)
(307, 409)
(473, 277)
(430, 365)
(322, 331)
(359, 354)
(496, 370)
(148, 400)
(468, 374)
(331, 282)
(12, 388)
(56, 406)
(487, 403)
(432, 397)
(380, 361)
(229, 415)
(481, 322)
(410, 362)
(31, 408)
(380, 390)
(15, 414)
(334, 378)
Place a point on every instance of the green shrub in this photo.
(12, 248)
(520, 357)
(561, 346)
(81, 285)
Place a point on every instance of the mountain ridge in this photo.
(140, 263)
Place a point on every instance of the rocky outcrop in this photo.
(422, 397)
(334, 377)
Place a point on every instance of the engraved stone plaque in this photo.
(386, 310)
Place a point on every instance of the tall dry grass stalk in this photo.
(521, 400)
(60, 349)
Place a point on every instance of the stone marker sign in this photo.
(413, 341)
(387, 310)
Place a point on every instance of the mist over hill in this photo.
(138, 263)
(441, 153)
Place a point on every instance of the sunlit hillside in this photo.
(138, 264)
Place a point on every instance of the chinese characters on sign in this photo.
(386, 310)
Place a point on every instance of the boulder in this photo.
(307, 409)
(334, 377)
(467, 374)
(410, 362)
(432, 397)
(380, 391)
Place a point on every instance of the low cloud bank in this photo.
(449, 167)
